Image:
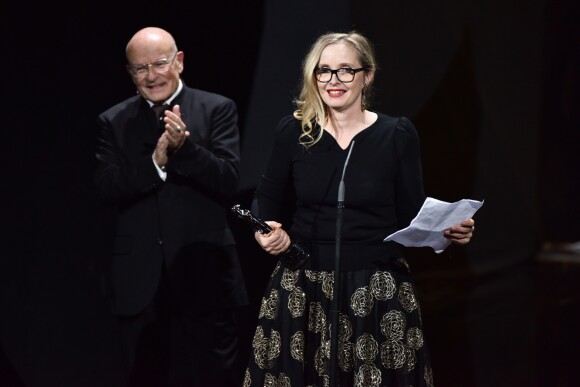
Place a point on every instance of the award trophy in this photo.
(294, 257)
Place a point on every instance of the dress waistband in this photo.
(352, 256)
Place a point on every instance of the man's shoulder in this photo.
(132, 102)
(198, 94)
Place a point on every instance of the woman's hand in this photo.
(461, 234)
(276, 241)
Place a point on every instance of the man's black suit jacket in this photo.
(181, 222)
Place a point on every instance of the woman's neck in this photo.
(343, 126)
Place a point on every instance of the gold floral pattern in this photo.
(407, 297)
(368, 356)
(393, 354)
(270, 305)
(414, 338)
(368, 375)
(324, 277)
(247, 379)
(344, 328)
(266, 349)
(316, 318)
(296, 302)
(382, 285)
(297, 346)
(393, 325)
(367, 347)
(346, 357)
(361, 302)
(289, 278)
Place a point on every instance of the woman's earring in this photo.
(363, 104)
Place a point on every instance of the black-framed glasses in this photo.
(142, 70)
(344, 74)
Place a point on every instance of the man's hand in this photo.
(175, 130)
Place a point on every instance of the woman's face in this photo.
(339, 94)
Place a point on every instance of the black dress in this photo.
(380, 335)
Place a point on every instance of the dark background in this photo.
(493, 88)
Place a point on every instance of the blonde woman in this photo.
(365, 329)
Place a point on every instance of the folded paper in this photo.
(434, 217)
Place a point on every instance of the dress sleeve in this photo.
(409, 182)
(274, 191)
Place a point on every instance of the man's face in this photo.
(155, 72)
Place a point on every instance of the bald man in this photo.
(167, 159)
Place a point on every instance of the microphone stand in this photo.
(335, 289)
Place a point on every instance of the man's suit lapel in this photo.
(141, 132)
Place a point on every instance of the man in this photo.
(175, 272)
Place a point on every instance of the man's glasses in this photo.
(142, 70)
(344, 74)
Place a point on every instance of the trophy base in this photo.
(295, 256)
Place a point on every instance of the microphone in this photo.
(341, 184)
(335, 289)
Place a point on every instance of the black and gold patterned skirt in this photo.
(380, 335)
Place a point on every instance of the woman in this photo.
(333, 137)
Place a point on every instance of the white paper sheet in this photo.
(433, 218)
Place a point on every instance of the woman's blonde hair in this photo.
(310, 109)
